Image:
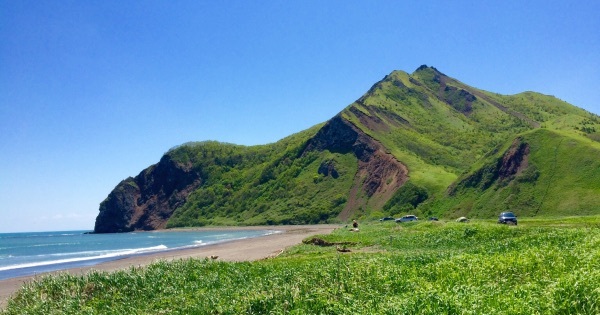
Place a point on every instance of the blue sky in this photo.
(92, 92)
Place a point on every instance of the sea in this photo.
(25, 254)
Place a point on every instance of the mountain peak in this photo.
(422, 67)
(425, 68)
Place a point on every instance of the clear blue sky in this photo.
(92, 92)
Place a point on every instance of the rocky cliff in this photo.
(379, 173)
(147, 201)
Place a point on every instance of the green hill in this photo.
(541, 172)
(264, 185)
(423, 143)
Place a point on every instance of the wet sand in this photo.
(239, 250)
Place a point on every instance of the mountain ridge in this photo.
(409, 136)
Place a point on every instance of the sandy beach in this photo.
(239, 250)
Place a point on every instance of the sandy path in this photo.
(241, 250)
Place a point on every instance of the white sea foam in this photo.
(123, 252)
(52, 244)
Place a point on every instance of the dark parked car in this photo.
(407, 218)
(386, 219)
(507, 218)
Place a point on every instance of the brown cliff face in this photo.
(504, 169)
(379, 173)
(118, 208)
(147, 201)
(514, 161)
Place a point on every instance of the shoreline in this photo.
(249, 249)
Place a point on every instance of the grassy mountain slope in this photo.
(439, 127)
(541, 172)
(395, 150)
(435, 139)
(306, 178)
(264, 184)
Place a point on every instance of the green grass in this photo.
(542, 266)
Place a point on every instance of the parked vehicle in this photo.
(386, 219)
(507, 218)
(433, 219)
(407, 218)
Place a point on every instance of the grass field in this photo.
(541, 266)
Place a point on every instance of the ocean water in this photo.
(23, 254)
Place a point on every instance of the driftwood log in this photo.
(321, 242)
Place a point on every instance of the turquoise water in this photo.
(24, 254)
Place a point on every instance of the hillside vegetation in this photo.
(557, 174)
(264, 185)
(540, 267)
(423, 143)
